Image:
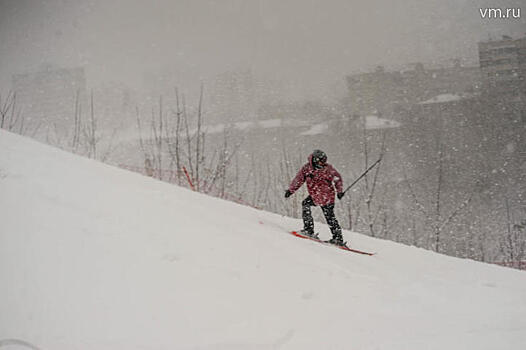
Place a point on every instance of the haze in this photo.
(311, 43)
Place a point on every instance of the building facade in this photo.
(503, 65)
(384, 91)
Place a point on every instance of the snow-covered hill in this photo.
(94, 257)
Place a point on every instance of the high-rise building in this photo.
(503, 65)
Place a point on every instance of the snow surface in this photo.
(95, 257)
(134, 133)
(373, 122)
(316, 129)
(444, 98)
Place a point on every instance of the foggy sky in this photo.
(314, 42)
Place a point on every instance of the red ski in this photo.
(343, 247)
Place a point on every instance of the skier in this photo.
(321, 179)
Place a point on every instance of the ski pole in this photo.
(364, 173)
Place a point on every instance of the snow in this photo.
(240, 126)
(316, 129)
(95, 257)
(271, 123)
(445, 98)
(245, 126)
(373, 122)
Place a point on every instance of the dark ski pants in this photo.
(328, 211)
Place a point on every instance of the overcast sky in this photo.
(314, 42)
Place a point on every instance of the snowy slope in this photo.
(94, 257)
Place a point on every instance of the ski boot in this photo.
(337, 240)
(308, 233)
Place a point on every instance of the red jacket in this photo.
(319, 182)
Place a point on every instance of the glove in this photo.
(288, 194)
(340, 195)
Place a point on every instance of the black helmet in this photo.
(319, 159)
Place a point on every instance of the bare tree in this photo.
(218, 168)
(513, 244)
(158, 138)
(10, 115)
(145, 151)
(77, 123)
(188, 138)
(91, 137)
(152, 147)
(370, 184)
(287, 171)
(435, 216)
(199, 140)
(173, 140)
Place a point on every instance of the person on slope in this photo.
(321, 179)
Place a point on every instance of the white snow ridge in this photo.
(94, 257)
